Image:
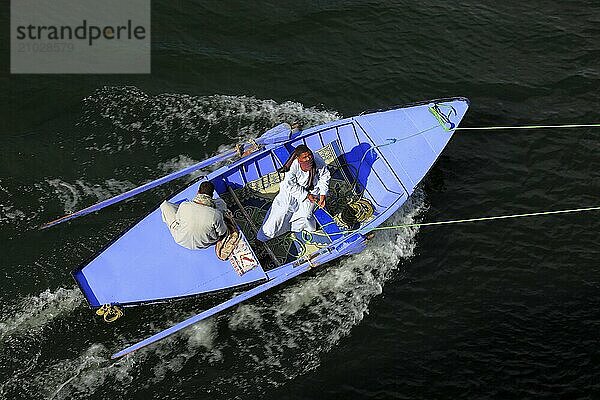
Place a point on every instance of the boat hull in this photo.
(380, 157)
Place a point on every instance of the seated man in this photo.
(199, 223)
(304, 186)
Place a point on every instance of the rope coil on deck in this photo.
(357, 211)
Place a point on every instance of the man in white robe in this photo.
(293, 207)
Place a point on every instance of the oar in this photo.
(140, 189)
(304, 265)
(274, 135)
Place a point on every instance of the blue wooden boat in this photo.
(376, 160)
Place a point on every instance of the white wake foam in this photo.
(9, 214)
(307, 319)
(34, 312)
(82, 193)
(270, 340)
(178, 163)
(131, 118)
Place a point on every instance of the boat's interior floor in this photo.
(257, 196)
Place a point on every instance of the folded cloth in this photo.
(235, 248)
(226, 245)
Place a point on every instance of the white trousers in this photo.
(286, 215)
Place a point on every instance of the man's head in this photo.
(304, 155)
(206, 187)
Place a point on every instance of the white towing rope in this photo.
(489, 128)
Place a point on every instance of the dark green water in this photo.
(491, 310)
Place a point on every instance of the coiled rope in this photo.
(109, 312)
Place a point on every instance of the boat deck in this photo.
(375, 159)
(257, 196)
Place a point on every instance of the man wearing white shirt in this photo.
(304, 186)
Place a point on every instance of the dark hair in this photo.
(206, 187)
(301, 149)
